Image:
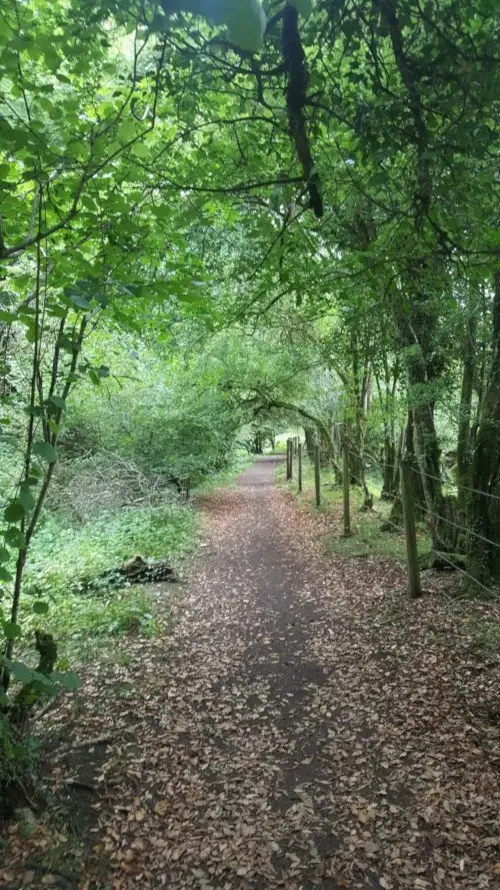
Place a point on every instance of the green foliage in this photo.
(65, 555)
(227, 477)
(19, 756)
(486, 634)
(63, 558)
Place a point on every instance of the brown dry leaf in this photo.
(162, 807)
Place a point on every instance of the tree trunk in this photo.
(310, 440)
(390, 470)
(407, 446)
(483, 506)
(464, 418)
(418, 332)
(391, 450)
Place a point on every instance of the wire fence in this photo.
(463, 528)
(433, 518)
(485, 494)
(456, 567)
(419, 472)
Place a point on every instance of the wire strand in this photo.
(464, 572)
(418, 472)
(463, 528)
(486, 494)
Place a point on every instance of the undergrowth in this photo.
(65, 555)
(227, 477)
(367, 537)
(77, 541)
(486, 634)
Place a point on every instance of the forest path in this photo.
(302, 728)
(245, 719)
(300, 725)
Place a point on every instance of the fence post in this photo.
(188, 487)
(414, 587)
(317, 478)
(300, 466)
(288, 459)
(345, 482)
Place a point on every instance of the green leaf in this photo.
(80, 301)
(4, 554)
(66, 679)
(42, 680)
(26, 497)
(40, 608)
(59, 402)
(5, 575)
(31, 333)
(20, 671)
(7, 317)
(77, 298)
(45, 451)
(14, 511)
(14, 538)
(127, 129)
(11, 630)
(94, 377)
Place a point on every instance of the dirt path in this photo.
(302, 726)
(294, 742)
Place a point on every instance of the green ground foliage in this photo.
(371, 531)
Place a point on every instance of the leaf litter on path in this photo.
(302, 725)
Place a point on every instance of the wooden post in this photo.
(188, 487)
(295, 444)
(414, 587)
(291, 459)
(317, 478)
(300, 466)
(345, 481)
(288, 459)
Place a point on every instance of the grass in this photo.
(367, 538)
(486, 634)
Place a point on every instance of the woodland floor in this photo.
(301, 725)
